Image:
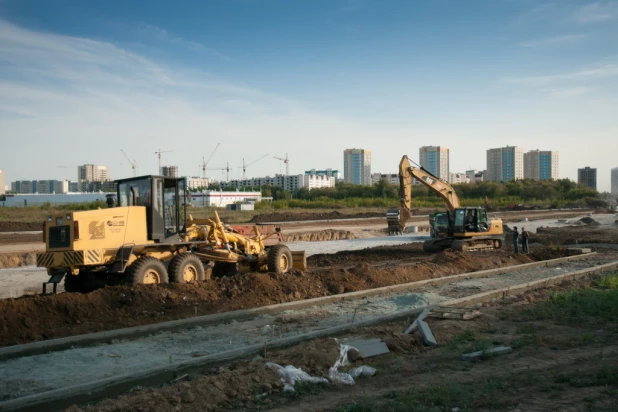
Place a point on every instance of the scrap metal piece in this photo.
(476, 356)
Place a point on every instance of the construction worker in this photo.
(524, 240)
(515, 239)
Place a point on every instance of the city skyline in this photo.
(305, 78)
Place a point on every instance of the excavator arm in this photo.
(407, 174)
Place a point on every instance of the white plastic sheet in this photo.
(290, 375)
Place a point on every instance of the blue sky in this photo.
(80, 80)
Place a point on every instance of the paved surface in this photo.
(34, 374)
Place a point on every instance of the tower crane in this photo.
(159, 152)
(244, 166)
(287, 163)
(132, 163)
(205, 162)
(227, 169)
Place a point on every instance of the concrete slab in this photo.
(476, 356)
(369, 347)
(414, 324)
(427, 334)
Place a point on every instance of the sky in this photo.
(81, 80)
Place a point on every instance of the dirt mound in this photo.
(328, 234)
(227, 387)
(571, 235)
(589, 221)
(12, 260)
(300, 216)
(373, 255)
(20, 226)
(35, 318)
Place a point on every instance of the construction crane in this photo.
(227, 169)
(132, 163)
(159, 152)
(205, 162)
(287, 163)
(244, 166)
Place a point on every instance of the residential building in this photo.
(357, 166)
(52, 186)
(475, 176)
(436, 160)
(23, 186)
(541, 165)
(92, 173)
(91, 187)
(457, 178)
(198, 182)
(392, 178)
(73, 187)
(505, 164)
(290, 183)
(326, 172)
(615, 182)
(587, 177)
(169, 171)
(2, 182)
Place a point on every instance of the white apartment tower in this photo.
(505, 164)
(541, 165)
(436, 160)
(169, 171)
(92, 173)
(2, 182)
(357, 166)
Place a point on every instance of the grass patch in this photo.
(442, 397)
(606, 376)
(607, 282)
(571, 306)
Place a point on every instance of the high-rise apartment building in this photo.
(169, 171)
(615, 181)
(2, 182)
(357, 166)
(92, 173)
(587, 177)
(436, 160)
(505, 164)
(541, 165)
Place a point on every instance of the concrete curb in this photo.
(92, 339)
(92, 391)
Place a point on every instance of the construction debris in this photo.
(290, 375)
(428, 338)
(368, 347)
(414, 324)
(454, 313)
(362, 371)
(476, 356)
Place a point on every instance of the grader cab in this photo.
(147, 238)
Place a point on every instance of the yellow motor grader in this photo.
(148, 238)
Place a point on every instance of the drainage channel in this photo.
(112, 368)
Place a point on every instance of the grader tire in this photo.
(147, 270)
(186, 267)
(72, 283)
(279, 259)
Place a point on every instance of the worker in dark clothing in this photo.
(515, 239)
(524, 240)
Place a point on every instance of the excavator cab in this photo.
(470, 220)
(165, 202)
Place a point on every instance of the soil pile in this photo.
(233, 387)
(20, 226)
(572, 235)
(589, 221)
(329, 234)
(12, 239)
(373, 255)
(12, 260)
(35, 318)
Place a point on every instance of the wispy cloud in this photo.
(165, 36)
(549, 41)
(597, 12)
(568, 92)
(538, 13)
(604, 71)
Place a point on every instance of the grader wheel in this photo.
(186, 267)
(147, 270)
(279, 259)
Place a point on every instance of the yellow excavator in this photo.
(460, 228)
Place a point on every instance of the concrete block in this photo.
(475, 356)
(427, 334)
(369, 347)
(414, 324)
